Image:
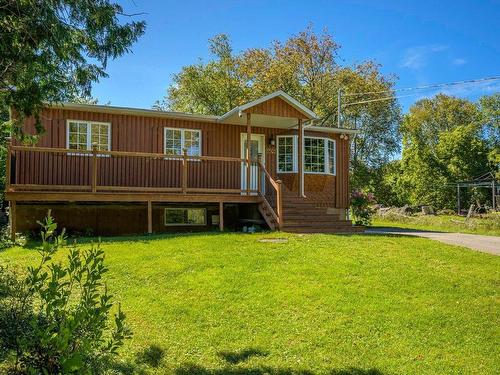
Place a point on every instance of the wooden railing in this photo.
(271, 191)
(41, 168)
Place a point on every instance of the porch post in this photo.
(12, 219)
(247, 151)
(221, 216)
(301, 159)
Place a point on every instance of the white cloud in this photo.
(459, 61)
(417, 57)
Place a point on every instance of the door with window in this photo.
(257, 147)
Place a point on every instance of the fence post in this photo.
(279, 204)
(184, 171)
(94, 168)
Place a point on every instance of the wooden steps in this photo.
(301, 215)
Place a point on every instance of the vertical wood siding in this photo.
(136, 133)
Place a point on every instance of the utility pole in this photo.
(338, 107)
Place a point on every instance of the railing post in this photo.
(184, 171)
(279, 204)
(94, 168)
(8, 173)
(260, 173)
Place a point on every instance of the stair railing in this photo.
(271, 190)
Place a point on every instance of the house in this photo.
(108, 170)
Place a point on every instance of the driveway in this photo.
(486, 244)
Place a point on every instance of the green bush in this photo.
(55, 318)
(361, 207)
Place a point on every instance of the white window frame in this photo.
(296, 158)
(185, 224)
(183, 140)
(89, 134)
(294, 153)
(326, 170)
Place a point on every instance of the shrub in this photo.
(55, 318)
(361, 207)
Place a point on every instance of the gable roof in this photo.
(310, 115)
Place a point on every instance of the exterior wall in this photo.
(145, 134)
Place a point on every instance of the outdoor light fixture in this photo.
(271, 140)
(344, 136)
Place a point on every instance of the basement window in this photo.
(185, 216)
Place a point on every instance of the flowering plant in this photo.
(361, 207)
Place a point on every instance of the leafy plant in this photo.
(56, 319)
(361, 207)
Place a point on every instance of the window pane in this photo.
(99, 136)
(77, 136)
(192, 142)
(173, 142)
(331, 157)
(314, 155)
(185, 216)
(285, 154)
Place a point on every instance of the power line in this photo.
(479, 80)
(381, 99)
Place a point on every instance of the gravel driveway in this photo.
(486, 244)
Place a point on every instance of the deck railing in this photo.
(41, 168)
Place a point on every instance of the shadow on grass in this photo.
(199, 370)
(151, 356)
(242, 356)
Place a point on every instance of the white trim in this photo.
(325, 129)
(294, 153)
(283, 95)
(182, 130)
(243, 137)
(184, 224)
(89, 134)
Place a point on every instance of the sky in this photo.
(420, 42)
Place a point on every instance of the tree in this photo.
(54, 50)
(305, 66)
(490, 111)
(443, 142)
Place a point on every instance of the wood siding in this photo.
(276, 107)
(133, 133)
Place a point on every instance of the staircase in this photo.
(303, 216)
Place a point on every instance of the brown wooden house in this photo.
(107, 170)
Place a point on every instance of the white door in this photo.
(257, 146)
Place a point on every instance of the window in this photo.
(185, 216)
(314, 155)
(331, 157)
(176, 140)
(287, 159)
(83, 135)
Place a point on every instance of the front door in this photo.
(256, 147)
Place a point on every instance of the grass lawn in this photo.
(317, 304)
(489, 224)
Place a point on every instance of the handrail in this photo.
(125, 153)
(276, 184)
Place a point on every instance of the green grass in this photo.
(488, 224)
(318, 304)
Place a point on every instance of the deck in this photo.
(41, 174)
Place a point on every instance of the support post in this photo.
(150, 217)
(184, 171)
(301, 159)
(12, 219)
(249, 139)
(8, 166)
(221, 216)
(493, 203)
(339, 95)
(458, 199)
(94, 168)
(279, 204)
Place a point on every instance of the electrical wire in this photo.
(479, 80)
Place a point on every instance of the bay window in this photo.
(319, 155)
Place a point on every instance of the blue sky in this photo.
(421, 42)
